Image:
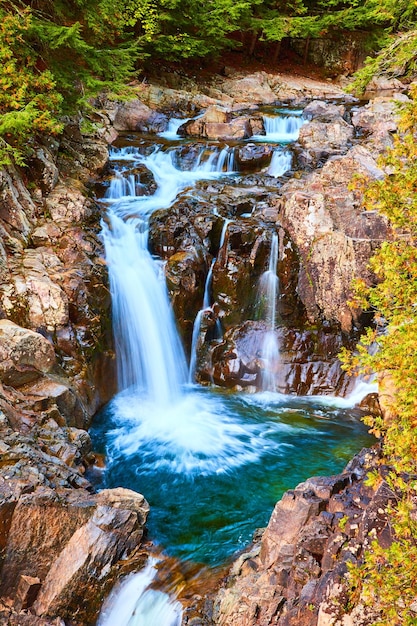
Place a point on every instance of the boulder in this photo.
(134, 115)
(217, 123)
(24, 355)
(248, 90)
(253, 156)
(69, 541)
(323, 111)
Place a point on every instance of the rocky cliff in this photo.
(58, 540)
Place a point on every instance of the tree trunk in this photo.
(253, 43)
(276, 52)
(306, 48)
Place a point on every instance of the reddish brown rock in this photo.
(295, 577)
(69, 540)
(24, 354)
(334, 236)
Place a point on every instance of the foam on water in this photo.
(281, 162)
(199, 434)
(171, 132)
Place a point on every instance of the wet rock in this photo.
(297, 572)
(253, 156)
(237, 128)
(186, 274)
(24, 354)
(307, 361)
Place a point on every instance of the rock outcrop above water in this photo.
(295, 575)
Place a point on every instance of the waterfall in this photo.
(281, 162)
(194, 345)
(149, 353)
(269, 288)
(282, 129)
(148, 350)
(133, 603)
(206, 306)
(171, 132)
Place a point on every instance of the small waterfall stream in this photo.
(134, 603)
(207, 305)
(283, 129)
(269, 292)
(211, 463)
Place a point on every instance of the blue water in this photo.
(213, 466)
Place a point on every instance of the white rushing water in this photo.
(134, 603)
(172, 427)
(171, 132)
(281, 162)
(206, 306)
(269, 291)
(149, 352)
(280, 129)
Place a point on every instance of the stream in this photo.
(211, 462)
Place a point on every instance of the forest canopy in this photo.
(57, 55)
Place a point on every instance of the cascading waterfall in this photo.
(282, 129)
(281, 162)
(149, 354)
(206, 306)
(148, 349)
(269, 288)
(134, 603)
(151, 364)
(211, 464)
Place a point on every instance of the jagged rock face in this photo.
(53, 281)
(77, 546)
(54, 307)
(334, 236)
(295, 575)
(307, 364)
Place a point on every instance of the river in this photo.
(211, 462)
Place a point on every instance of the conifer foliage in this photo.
(56, 55)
